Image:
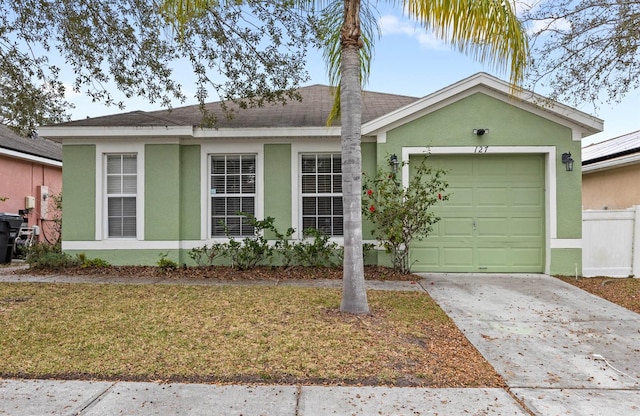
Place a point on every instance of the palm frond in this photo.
(486, 30)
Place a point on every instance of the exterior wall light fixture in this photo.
(568, 161)
(480, 132)
(393, 162)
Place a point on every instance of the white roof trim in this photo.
(30, 158)
(612, 163)
(59, 133)
(497, 88)
(62, 132)
(267, 132)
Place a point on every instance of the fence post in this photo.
(635, 247)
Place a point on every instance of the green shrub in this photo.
(317, 251)
(251, 251)
(205, 255)
(43, 256)
(166, 264)
(91, 263)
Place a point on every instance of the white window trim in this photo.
(550, 195)
(297, 150)
(101, 220)
(228, 148)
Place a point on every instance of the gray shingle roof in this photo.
(311, 111)
(37, 146)
(612, 148)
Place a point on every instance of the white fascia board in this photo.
(266, 132)
(30, 158)
(612, 163)
(64, 132)
(59, 133)
(496, 88)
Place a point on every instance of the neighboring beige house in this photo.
(611, 173)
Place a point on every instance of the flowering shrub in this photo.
(400, 215)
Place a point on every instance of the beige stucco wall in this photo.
(617, 188)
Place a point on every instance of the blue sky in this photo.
(408, 61)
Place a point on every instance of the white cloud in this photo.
(393, 25)
(69, 93)
(540, 26)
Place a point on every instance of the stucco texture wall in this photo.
(21, 178)
(79, 201)
(617, 188)
(509, 126)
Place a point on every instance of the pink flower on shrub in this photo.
(439, 196)
(369, 192)
(372, 208)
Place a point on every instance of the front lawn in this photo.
(231, 334)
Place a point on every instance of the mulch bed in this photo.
(622, 291)
(227, 273)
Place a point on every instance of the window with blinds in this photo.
(321, 193)
(233, 191)
(122, 188)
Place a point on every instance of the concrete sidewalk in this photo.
(70, 398)
(561, 350)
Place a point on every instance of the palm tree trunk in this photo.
(354, 294)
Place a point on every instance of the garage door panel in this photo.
(455, 166)
(492, 256)
(494, 220)
(493, 227)
(525, 166)
(456, 227)
(492, 197)
(492, 167)
(527, 227)
(459, 197)
(526, 197)
(457, 257)
(425, 258)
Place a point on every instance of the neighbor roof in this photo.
(312, 111)
(612, 148)
(36, 146)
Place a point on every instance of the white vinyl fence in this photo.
(611, 242)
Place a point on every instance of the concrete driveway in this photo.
(560, 349)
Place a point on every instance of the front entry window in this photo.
(233, 191)
(322, 193)
(122, 186)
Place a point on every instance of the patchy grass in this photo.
(622, 291)
(231, 334)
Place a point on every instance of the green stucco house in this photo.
(143, 183)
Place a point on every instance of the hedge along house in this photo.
(144, 183)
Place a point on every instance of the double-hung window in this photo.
(233, 191)
(122, 188)
(322, 193)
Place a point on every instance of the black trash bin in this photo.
(9, 228)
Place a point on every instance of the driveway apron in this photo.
(560, 349)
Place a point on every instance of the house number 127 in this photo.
(481, 149)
